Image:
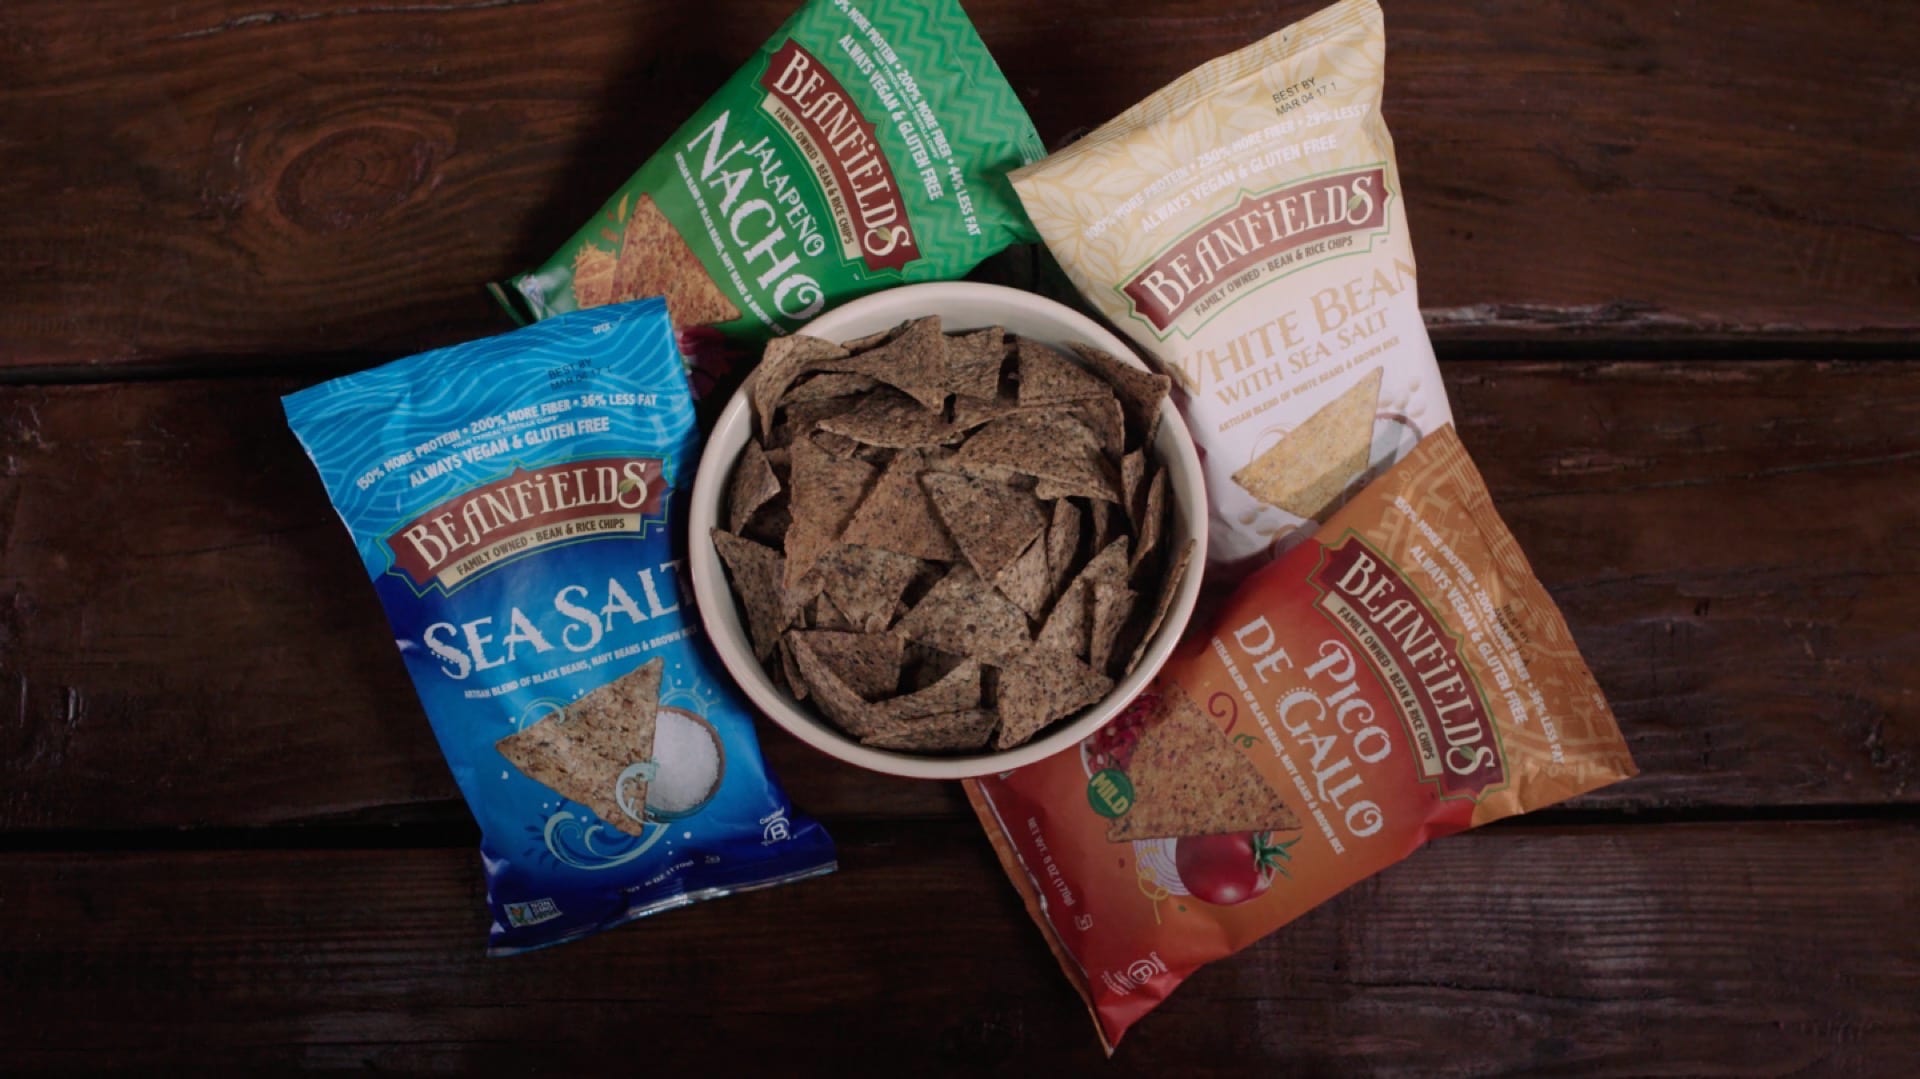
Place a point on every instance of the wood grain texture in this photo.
(1684, 950)
(212, 180)
(181, 610)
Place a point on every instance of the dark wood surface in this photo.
(1671, 257)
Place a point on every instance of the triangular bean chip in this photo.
(1041, 686)
(892, 420)
(825, 492)
(827, 385)
(869, 663)
(950, 732)
(1054, 447)
(1152, 519)
(914, 362)
(1112, 605)
(1169, 585)
(1049, 376)
(966, 616)
(1025, 580)
(753, 484)
(866, 583)
(992, 523)
(973, 363)
(757, 580)
(1141, 392)
(1069, 626)
(957, 690)
(897, 515)
(784, 359)
(1063, 543)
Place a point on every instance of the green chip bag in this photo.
(863, 146)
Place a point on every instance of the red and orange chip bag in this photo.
(1401, 676)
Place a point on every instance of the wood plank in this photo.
(182, 617)
(1686, 950)
(208, 179)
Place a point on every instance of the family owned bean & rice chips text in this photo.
(517, 502)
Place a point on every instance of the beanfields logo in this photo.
(1456, 745)
(1274, 231)
(524, 512)
(837, 140)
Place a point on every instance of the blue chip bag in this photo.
(518, 503)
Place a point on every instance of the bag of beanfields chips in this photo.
(518, 504)
(866, 145)
(1400, 676)
(1245, 225)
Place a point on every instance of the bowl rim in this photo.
(715, 600)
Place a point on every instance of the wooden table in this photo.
(1670, 255)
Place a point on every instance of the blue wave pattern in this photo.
(499, 651)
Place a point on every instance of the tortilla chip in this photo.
(926, 666)
(789, 672)
(1152, 520)
(866, 583)
(824, 613)
(1025, 580)
(1054, 447)
(913, 361)
(1103, 416)
(869, 663)
(785, 359)
(831, 693)
(956, 691)
(973, 363)
(826, 386)
(1069, 626)
(1106, 519)
(894, 421)
(1112, 605)
(1042, 685)
(1048, 376)
(1306, 472)
(1188, 779)
(826, 490)
(593, 275)
(971, 412)
(584, 754)
(1141, 392)
(1169, 586)
(1063, 543)
(946, 733)
(1109, 566)
(897, 515)
(656, 261)
(991, 523)
(769, 526)
(758, 580)
(862, 344)
(751, 486)
(1133, 473)
(966, 616)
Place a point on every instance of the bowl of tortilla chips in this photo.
(947, 530)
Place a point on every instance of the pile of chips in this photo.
(949, 541)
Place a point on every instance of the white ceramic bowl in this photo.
(961, 306)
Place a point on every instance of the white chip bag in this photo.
(1245, 225)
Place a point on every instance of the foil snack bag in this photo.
(865, 145)
(1400, 676)
(517, 502)
(1245, 226)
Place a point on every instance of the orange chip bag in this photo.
(1403, 675)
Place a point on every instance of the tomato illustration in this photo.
(1230, 869)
